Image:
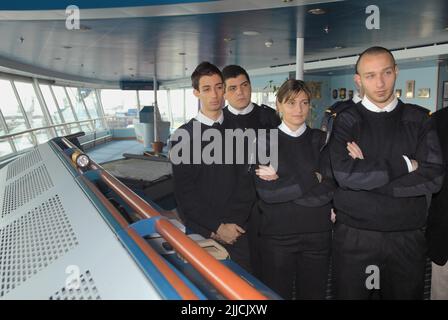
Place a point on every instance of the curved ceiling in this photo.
(135, 48)
(86, 4)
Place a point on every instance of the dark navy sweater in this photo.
(297, 202)
(378, 193)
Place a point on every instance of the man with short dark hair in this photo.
(238, 93)
(214, 198)
(387, 161)
(247, 115)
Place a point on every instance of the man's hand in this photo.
(414, 164)
(228, 233)
(266, 173)
(354, 150)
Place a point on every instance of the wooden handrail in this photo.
(229, 284)
(176, 282)
(222, 278)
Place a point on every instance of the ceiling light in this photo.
(228, 39)
(446, 28)
(182, 54)
(337, 47)
(317, 11)
(251, 33)
(57, 59)
(67, 47)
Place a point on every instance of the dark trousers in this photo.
(240, 252)
(296, 266)
(378, 265)
(252, 232)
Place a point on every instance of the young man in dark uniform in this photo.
(213, 197)
(240, 109)
(437, 230)
(247, 115)
(386, 158)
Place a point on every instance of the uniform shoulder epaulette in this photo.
(339, 108)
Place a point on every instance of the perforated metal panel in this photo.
(86, 290)
(32, 242)
(49, 226)
(23, 163)
(25, 188)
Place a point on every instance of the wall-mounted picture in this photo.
(398, 93)
(335, 94)
(342, 92)
(350, 94)
(410, 86)
(315, 88)
(445, 90)
(423, 93)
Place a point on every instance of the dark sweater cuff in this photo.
(397, 167)
(204, 229)
(211, 225)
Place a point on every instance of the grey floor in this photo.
(114, 150)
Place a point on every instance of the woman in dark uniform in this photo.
(295, 202)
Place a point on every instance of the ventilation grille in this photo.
(86, 291)
(32, 242)
(23, 163)
(26, 188)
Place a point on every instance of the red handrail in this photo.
(176, 282)
(222, 278)
(229, 284)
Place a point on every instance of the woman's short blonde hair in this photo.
(290, 88)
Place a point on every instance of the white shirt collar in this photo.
(369, 105)
(356, 98)
(296, 133)
(244, 111)
(207, 121)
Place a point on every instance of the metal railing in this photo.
(10, 135)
